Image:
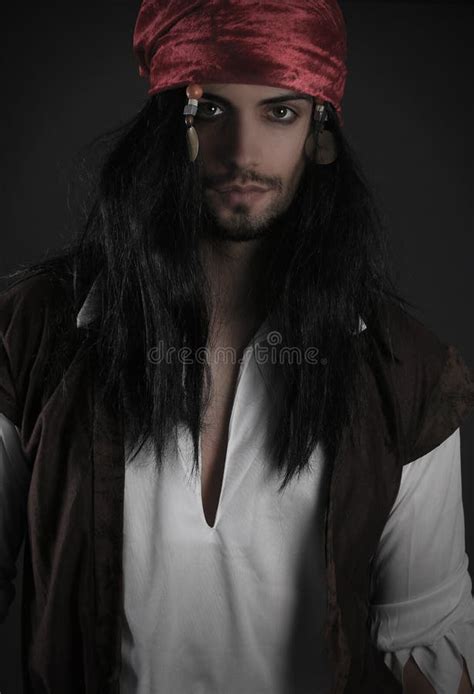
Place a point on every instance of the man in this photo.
(183, 514)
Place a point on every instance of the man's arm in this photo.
(415, 682)
(421, 604)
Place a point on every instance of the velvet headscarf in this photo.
(295, 44)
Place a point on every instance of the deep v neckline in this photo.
(226, 477)
(221, 471)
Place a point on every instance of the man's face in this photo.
(243, 141)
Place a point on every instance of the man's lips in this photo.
(236, 194)
(241, 189)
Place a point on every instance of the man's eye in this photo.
(204, 112)
(202, 109)
(289, 110)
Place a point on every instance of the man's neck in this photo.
(233, 271)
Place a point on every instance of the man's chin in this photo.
(238, 234)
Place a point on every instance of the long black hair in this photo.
(327, 268)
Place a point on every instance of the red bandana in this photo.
(294, 44)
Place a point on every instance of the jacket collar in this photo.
(88, 312)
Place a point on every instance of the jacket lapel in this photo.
(108, 506)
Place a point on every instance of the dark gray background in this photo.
(69, 74)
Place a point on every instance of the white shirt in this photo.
(240, 606)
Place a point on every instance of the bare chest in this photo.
(214, 438)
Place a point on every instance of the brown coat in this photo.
(72, 577)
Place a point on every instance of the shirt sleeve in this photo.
(421, 602)
(15, 476)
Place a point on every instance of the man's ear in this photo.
(326, 150)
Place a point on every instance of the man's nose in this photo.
(242, 143)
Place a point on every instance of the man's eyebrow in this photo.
(290, 96)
